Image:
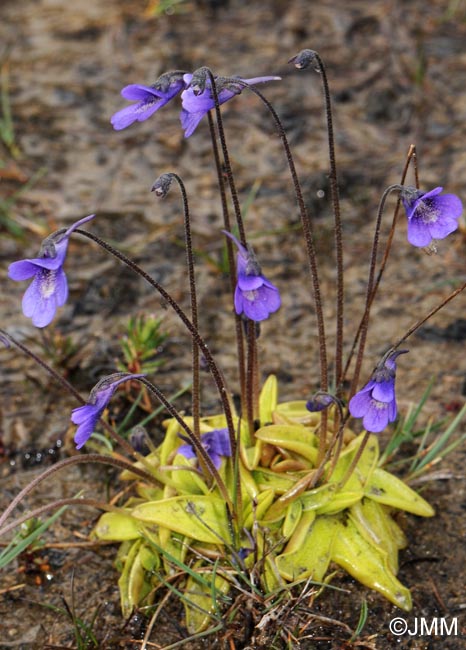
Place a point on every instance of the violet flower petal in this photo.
(138, 92)
(376, 418)
(384, 391)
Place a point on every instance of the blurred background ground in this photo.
(398, 76)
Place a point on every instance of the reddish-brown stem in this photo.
(196, 389)
(74, 460)
(231, 261)
(411, 155)
(212, 365)
(369, 290)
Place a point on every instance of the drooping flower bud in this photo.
(304, 59)
(162, 185)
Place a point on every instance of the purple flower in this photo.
(86, 416)
(430, 214)
(255, 296)
(197, 104)
(216, 443)
(49, 288)
(320, 401)
(148, 99)
(376, 402)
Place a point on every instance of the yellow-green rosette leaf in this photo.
(268, 400)
(151, 459)
(117, 527)
(187, 481)
(202, 517)
(171, 440)
(201, 600)
(174, 545)
(132, 583)
(373, 521)
(318, 498)
(255, 511)
(291, 437)
(308, 553)
(248, 482)
(150, 559)
(292, 518)
(148, 492)
(339, 501)
(265, 479)
(391, 491)
(251, 455)
(270, 576)
(297, 412)
(365, 465)
(368, 563)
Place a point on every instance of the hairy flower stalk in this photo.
(161, 187)
(210, 93)
(369, 290)
(303, 60)
(411, 157)
(212, 365)
(308, 234)
(231, 260)
(49, 287)
(206, 76)
(255, 299)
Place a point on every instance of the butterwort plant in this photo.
(262, 494)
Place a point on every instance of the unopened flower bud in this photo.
(199, 80)
(319, 402)
(304, 59)
(162, 185)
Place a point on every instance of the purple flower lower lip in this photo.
(431, 215)
(148, 99)
(49, 287)
(216, 443)
(375, 403)
(86, 416)
(255, 296)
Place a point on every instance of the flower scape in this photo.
(268, 497)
